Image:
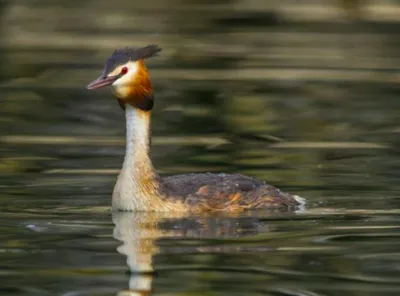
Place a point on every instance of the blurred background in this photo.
(303, 94)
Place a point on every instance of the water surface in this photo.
(305, 101)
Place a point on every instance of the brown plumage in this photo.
(140, 93)
(139, 188)
(225, 192)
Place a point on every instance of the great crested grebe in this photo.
(139, 187)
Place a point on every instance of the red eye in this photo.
(124, 70)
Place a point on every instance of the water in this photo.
(305, 101)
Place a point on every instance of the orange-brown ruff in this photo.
(139, 187)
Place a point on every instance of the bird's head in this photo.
(128, 76)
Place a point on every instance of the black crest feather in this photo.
(123, 55)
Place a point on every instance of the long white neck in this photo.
(137, 137)
(137, 187)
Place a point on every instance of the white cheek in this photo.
(123, 81)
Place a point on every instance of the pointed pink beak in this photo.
(102, 82)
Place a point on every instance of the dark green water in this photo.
(307, 102)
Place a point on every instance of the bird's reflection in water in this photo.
(138, 233)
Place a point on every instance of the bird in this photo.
(139, 187)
